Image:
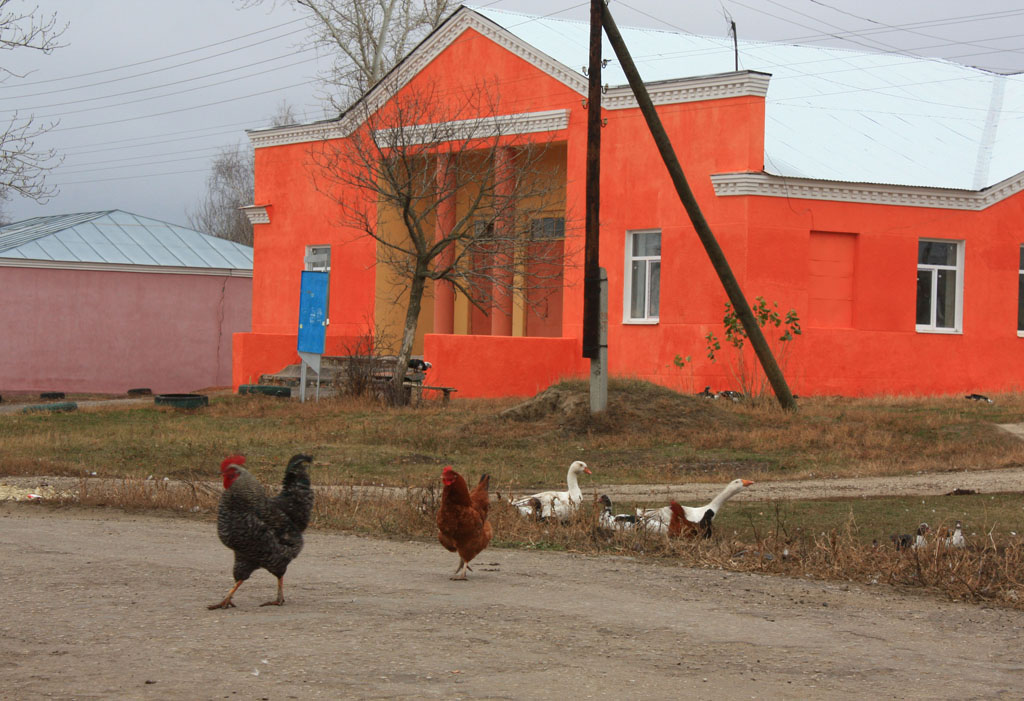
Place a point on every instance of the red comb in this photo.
(232, 460)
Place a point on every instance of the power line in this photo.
(171, 94)
(177, 111)
(159, 58)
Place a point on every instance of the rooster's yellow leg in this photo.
(226, 604)
(280, 594)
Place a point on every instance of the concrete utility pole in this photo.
(595, 341)
(700, 224)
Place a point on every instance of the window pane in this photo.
(548, 228)
(647, 244)
(924, 297)
(637, 298)
(1020, 302)
(945, 300)
(655, 288)
(936, 253)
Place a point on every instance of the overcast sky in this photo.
(145, 92)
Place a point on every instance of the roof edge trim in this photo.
(256, 213)
(696, 89)
(764, 185)
(122, 267)
(483, 128)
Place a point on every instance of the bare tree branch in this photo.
(421, 153)
(24, 166)
(229, 186)
(368, 38)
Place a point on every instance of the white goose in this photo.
(560, 505)
(698, 517)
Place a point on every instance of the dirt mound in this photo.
(633, 405)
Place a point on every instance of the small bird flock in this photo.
(267, 532)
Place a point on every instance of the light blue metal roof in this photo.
(118, 237)
(833, 114)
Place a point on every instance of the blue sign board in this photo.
(313, 312)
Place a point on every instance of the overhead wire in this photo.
(153, 60)
(115, 144)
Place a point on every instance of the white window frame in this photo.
(958, 306)
(315, 255)
(627, 290)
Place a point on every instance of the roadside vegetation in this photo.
(364, 451)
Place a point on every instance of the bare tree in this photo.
(229, 187)
(367, 37)
(420, 156)
(23, 165)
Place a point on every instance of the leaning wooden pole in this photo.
(700, 224)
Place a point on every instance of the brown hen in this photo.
(462, 519)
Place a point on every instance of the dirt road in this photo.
(100, 604)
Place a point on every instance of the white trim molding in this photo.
(713, 87)
(256, 213)
(700, 88)
(122, 267)
(483, 128)
(765, 185)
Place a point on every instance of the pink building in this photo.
(109, 301)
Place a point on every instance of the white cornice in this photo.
(256, 213)
(708, 87)
(712, 87)
(484, 128)
(764, 185)
(122, 267)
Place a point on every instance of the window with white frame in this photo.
(318, 258)
(643, 277)
(1020, 294)
(940, 285)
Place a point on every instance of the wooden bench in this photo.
(447, 392)
(418, 388)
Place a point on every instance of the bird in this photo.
(609, 521)
(419, 365)
(263, 532)
(462, 525)
(707, 393)
(698, 517)
(731, 395)
(904, 541)
(956, 540)
(561, 505)
(678, 522)
(978, 398)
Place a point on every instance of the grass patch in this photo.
(649, 434)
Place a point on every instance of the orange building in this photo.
(876, 195)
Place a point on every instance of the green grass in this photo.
(876, 518)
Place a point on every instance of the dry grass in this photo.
(649, 434)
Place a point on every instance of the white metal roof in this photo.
(120, 238)
(833, 114)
